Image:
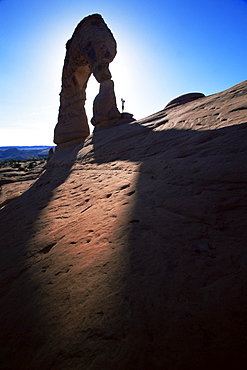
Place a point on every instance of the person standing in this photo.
(123, 101)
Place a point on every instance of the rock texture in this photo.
(17, 176)
(129, 251)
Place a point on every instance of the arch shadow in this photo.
(188, 219)
(21, 340)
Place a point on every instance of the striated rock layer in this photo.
(129, 251)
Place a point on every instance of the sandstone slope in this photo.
(129, 251)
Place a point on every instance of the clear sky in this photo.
(165, 49)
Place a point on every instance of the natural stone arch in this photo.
(90, 50)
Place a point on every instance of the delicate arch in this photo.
(90, 50)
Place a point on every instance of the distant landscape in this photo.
(21, 165)
(23, 152)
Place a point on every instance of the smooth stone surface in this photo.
(129, 251)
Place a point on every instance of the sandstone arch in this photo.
(90, 50)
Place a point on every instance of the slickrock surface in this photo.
(129, 251)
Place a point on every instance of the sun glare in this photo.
(91, 92)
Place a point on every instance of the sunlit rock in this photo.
(186, 98)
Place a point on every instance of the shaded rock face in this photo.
(129, 251)
(104, 106)
(90, 50)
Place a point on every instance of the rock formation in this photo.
(184, 99)
(105, 111)
(129, 251)
(104, 107)
(90, 50)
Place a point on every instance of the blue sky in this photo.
(165, 49)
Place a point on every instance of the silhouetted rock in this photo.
(90, 50)
(104, 106)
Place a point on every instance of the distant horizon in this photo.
(91, 127)
(26, 146)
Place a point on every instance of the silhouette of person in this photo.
(123, 101)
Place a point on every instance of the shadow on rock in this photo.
(19, 252)
(183, 300)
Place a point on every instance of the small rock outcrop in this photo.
(90, 50)
(186, 98)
